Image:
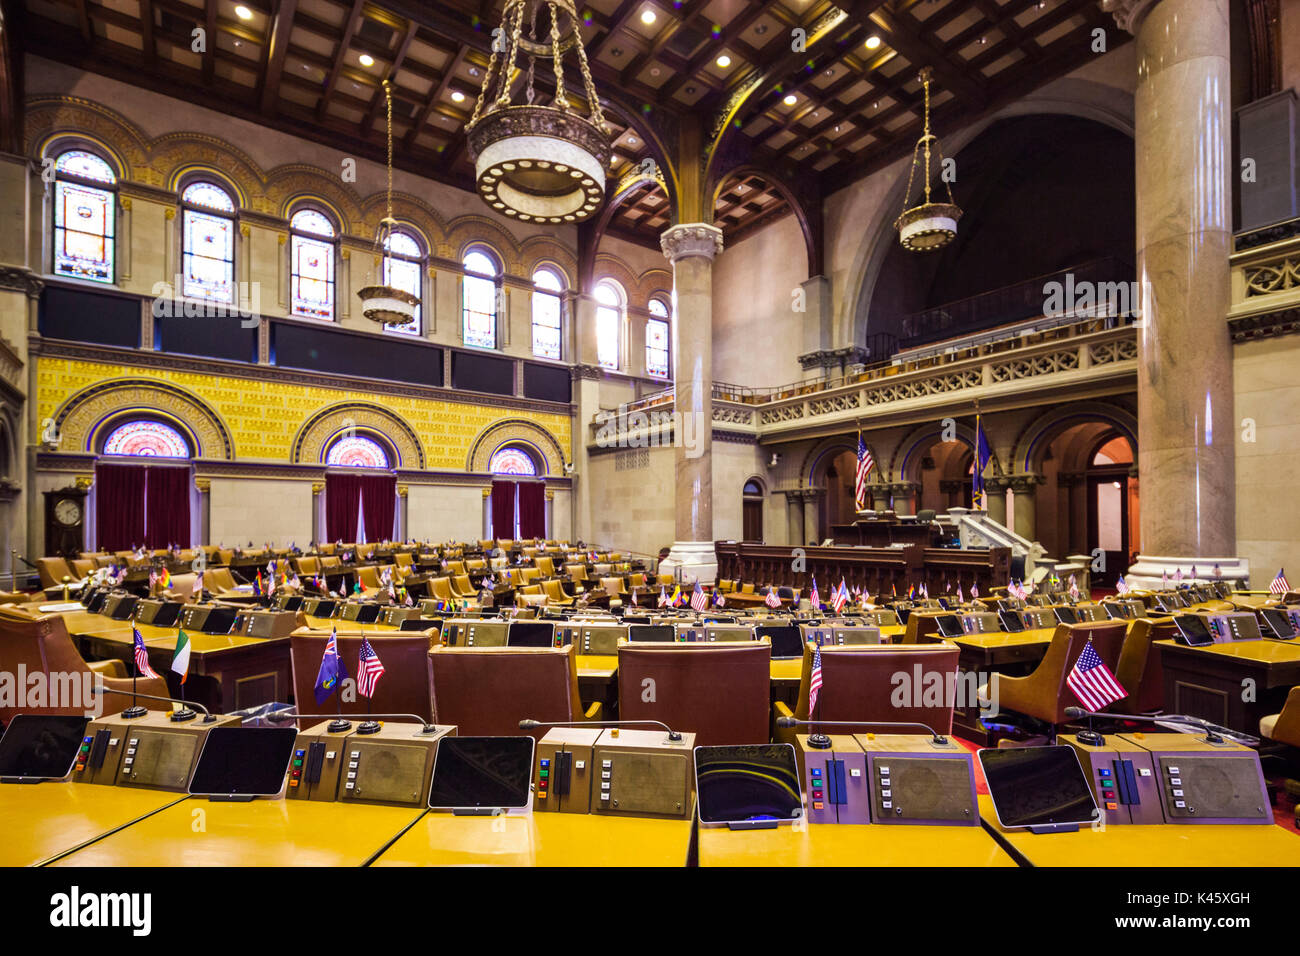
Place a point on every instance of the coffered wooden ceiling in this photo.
(832, 113)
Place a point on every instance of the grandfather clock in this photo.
(65, 522)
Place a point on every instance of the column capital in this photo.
(19, 279)
(1025, 483)
(997, 483)
(691, 239)
(1128, 14)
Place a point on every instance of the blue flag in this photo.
(982, 455)
(331, 670)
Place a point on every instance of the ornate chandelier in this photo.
(384, 303)
(538, 163)
(927, 225)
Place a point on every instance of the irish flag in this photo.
(181, 657)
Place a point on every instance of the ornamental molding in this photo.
(1128, 14)
(686, 240)
(18, 279)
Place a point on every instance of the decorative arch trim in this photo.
(547, 451)
(905, 461)
(318, 431)
(812, 241)
(1039, 433)
(828, 448)
(81, 419)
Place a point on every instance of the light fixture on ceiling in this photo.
(724, 61)
(790, 99)
(873, 42)
(631, 140)
(380, 302)
(243, 12)
(538, 163)
(648, 16)
(366, 59)
(457, 96)
(927, 225)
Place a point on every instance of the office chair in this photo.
(1044, 693)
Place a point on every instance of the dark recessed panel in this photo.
(546, 382)
(341, 353)
(85, 316)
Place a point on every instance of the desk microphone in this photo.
(529, 724)
(184, 713)
(1213, 732)
(341, 722)
(823, 742)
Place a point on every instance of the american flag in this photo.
(1279, 585)
(974, 590)
(1092, 683)
(142, 656)
(960, 599)
(1193, 572)
(369, 669)
(1074, 588)
(772, 600)
(815, 681)
(1178, 575)
(864, 468)
(1121, 586)
(699, 600)
(634, 591)
(816, 598)
(663, 596)
(839, 597)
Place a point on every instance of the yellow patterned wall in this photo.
(263, 417)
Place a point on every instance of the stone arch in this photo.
(1039, 432)
(609, 266)
(1086, 99)
(409, 210)
(821, 454)
(465, 231)
(905, 465)
(52, 118)
(288, 185)
(316, 433)
(812, 242)
(177, 154)
(516, 431)
(82, 418)
(536, 251)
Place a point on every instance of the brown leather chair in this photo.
(53, 571)
(576, 572)
(403, 688)
(613, 587)
(82, 567)
(858, 683)
(637, 580)
(545, 566)
(486, 691)
(403, 560)
(555, 594)
(528, 575)
(455, 568)
(463, 589)
(719, 692)
(1284, 727)
(218, 579)
(42, 644)
(330, 561)
(369, 577)
(440, 588)
(306, 565)
(1140, 671)
(1044, 693)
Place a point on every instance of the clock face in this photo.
(68, 512)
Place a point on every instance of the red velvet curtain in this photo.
(119, 506)
(532, 509)
(379, 505)
(167, 507)
(503, 509)
(342, 504)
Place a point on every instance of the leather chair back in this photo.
(1044, 693)
(719, 692)
(613, 586)
(576, 572)
(858, 683)
(455, 568)
(486, 691)
(403, 688)
(441, 589)
(1139, 670)
(545, 566)
(53, 571)
(369, 577)
(218, 579)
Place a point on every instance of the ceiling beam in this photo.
(902, 33)
(340, 57)
(377, 100)
(276, 47)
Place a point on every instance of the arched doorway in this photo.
(1112, 507)
(841, 508)
(945, 477)
(751, 525)
(517, 502)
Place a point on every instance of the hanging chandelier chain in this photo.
(532, 59)
(561, 100)
(388, 98)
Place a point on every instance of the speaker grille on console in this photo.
(645, 783)
(1212, 787)
(922, 788)
(385, 772)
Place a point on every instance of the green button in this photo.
(545, 773)
(297, 763)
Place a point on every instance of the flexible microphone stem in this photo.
(288, 714)
(183, 713)
(937, 737)
(1211, 734)
(529, 724)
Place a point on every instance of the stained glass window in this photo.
(546, 313)
(208, 243)
(146, 439)
(311, 264)
(84, 217)
(357, 451)
(512, 461)
(609, 323)
(656, 340)
(480, 300)
(403, 267)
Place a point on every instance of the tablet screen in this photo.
(41, 746)
(1037, 786)
(482, 773)
(243, 761)
(752, 782)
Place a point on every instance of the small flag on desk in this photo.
(699, 600)
(816, 598)
(815, 681)
(141, 655)
(369, 669)
(1193, 572)
(663, 596)
(676, 599)
(1074, 588)
(974, 591)
(960, 598)
(1121, 586)
(771, 600)
(1092, 682)
(331, 669)
(181, 657)
(1279, 584)
(718, 599)
(1178, 575)
(1218, 571)
(634, 591)
(165, 579)
(839, 597)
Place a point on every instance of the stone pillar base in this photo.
(696, 560)
(1153, 571)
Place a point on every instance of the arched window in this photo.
(609, 323)
(479, 299)
(311, 264)
(656, 339)
(85, 215)
(146, 439)
(546, 313)
(208, 242)
(357, 451)
(404, 269)
(512, 461)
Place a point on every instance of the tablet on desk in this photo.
(1066, 615)
(482, 775)
(787, 640)
(243, 762)
(530, 634)
(1278, 622)
(747, 786)
(1038, 788)
(1192, 630)
(950, 625)
(39, 747)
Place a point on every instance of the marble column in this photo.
(1023, 487)
(995, 498)
(794, 517)
(691, 248)
(586, 374)
(811, 504)
(1183, 136)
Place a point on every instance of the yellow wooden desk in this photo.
(199, 832)
(541, 839)
(605, 667)
(1207, 681)
(834, 844)
(326, 623)
(1169, 845)
(41, 821)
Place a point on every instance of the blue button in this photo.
(299, 753)
(546, 763)
(1104, 773)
